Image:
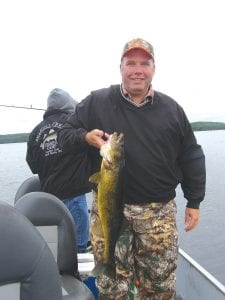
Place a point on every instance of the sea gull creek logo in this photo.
(50, 144)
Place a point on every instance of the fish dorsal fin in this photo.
(95, 178)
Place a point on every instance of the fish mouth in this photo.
(115, 141)
(116, 138)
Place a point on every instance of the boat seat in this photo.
(31, 184)
(27, 267)
(54, 221)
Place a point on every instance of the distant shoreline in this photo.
(206, 126)
(197, 126)
(14, 138)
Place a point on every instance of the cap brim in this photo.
(141, 48)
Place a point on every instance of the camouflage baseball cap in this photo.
(138, 44)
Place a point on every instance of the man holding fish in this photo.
(147, 149)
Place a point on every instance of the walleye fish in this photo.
(110, 207)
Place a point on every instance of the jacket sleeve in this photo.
(32, 156)
(192, 164)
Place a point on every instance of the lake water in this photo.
(205, 244)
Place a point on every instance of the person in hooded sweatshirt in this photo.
(62, 173)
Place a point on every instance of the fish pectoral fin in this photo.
(94, 178)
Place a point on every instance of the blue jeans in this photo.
(79, 211)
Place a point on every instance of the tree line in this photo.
(197, 126)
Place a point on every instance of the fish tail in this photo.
(103, 268)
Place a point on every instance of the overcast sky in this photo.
(76, 46)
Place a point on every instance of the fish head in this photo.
(113, 150)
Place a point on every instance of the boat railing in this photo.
(194, 282)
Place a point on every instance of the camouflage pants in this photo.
(146, 252)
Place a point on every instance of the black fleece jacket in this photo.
(160, 147)
(62, 173)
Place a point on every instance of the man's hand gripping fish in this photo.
(110, 206)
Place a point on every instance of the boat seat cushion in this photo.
(25, 259)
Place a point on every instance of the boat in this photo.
(193, 281)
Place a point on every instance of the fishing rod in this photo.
(24, 107)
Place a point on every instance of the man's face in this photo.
(137, 70)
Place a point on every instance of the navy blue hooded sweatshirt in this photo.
(62, 173)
